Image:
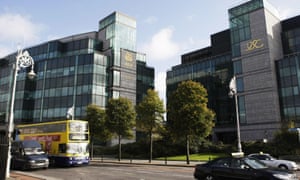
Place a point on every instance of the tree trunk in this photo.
(187, 150)
(119, 156)
(151, 147)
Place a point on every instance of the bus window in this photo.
(62, 148)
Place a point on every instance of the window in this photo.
(240, 84)
(242, 109)
(116, 94)
(237, 67)
(62, 148)
(116, 78)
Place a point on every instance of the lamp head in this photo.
(231, 94)
(31, 74)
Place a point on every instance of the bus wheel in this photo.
(52, 162)
(23, 167)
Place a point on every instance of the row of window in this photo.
(246, 8)
(291, 112)
(206, 66)
(291, 40)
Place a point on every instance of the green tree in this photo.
(188, 115)
(96, 118)
(150, 116)
(120, 119)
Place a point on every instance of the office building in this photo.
(76, 71)
(262, 51)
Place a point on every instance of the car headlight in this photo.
(32, 161)
(283, 177)
(294, 164)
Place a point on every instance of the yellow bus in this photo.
(66, 142)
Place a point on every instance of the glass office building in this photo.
(76, 71)
(289, 72)
(262, 51)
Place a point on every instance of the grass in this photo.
(195, 157)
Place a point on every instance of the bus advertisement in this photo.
(66, 142)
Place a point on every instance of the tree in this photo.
(188, 115)
(96, 118)
(150, 116)
(120, 119)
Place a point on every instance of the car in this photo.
(28, 154)
(273, 162)
(228, 168)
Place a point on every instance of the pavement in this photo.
(16, 175)
(27, 175)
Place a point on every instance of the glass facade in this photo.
(253, 69)
(240, 24)
(289, 83)
(76, 71)
(288, 71)
(291, 41)
(214, 74)
(120, 36)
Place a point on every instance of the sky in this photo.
(166, 29)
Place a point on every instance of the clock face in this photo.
(128, 57)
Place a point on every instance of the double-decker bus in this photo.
(66, 142)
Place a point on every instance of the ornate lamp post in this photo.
(23, 60)
(233, 92)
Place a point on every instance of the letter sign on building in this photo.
(254, 44)
(129, 59)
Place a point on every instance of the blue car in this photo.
(28, 154)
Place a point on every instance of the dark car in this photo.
(240, 168)
(28, 154)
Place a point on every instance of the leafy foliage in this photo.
(96, 118)
(188, 114)
(150, 116)
(120, 119)
(150, 113)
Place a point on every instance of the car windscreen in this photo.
(254, 163)
(33, 151)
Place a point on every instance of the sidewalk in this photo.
(16, 175)
(146, 162)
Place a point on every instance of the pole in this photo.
(239, 145)
(11, 118)
(23, 60)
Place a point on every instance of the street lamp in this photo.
(233, 92)
(23, 60)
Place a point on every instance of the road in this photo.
(118, 171)
(112, 171)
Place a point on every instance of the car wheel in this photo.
(209, 177)
(283, 166)
(23, 167)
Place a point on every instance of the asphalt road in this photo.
(118, 171)
(112, 171)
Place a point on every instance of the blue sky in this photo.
(166, 29)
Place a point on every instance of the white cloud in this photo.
(161, 46)
(16, 28)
